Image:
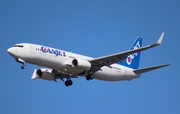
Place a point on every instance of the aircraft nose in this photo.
(9, 50)
(13, 52)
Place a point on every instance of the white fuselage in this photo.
(61, 60)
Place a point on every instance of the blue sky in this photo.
(94, 28)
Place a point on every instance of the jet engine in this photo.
(43, 73)
(81, 64)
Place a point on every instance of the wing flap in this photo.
(144, 70)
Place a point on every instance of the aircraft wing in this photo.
(118, 57)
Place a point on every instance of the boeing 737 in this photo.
(60, 64)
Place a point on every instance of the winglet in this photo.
(160, 39)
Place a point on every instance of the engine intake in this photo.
(45, 74)
(81, 64)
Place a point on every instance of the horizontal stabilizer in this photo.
(143, 70)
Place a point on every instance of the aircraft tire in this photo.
(68, 82)
(23, 67)
(88, 77)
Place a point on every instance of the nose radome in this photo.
(12, 51)
(9, 50)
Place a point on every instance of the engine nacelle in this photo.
(81, 64)
(43, 74)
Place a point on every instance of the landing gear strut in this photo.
(22, 62)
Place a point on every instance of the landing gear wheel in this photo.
(68, 82)
(23, 67)
(92, 77)
(89, 77)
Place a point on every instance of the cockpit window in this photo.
(18, 46)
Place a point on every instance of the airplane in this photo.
(60, 64)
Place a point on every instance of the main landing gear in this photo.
(22, 62)
(68, 82)
(89, 77)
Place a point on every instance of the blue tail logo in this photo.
(132, 60)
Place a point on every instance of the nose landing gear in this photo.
(23, 66)
(22, 62)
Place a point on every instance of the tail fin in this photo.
(132, 60)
